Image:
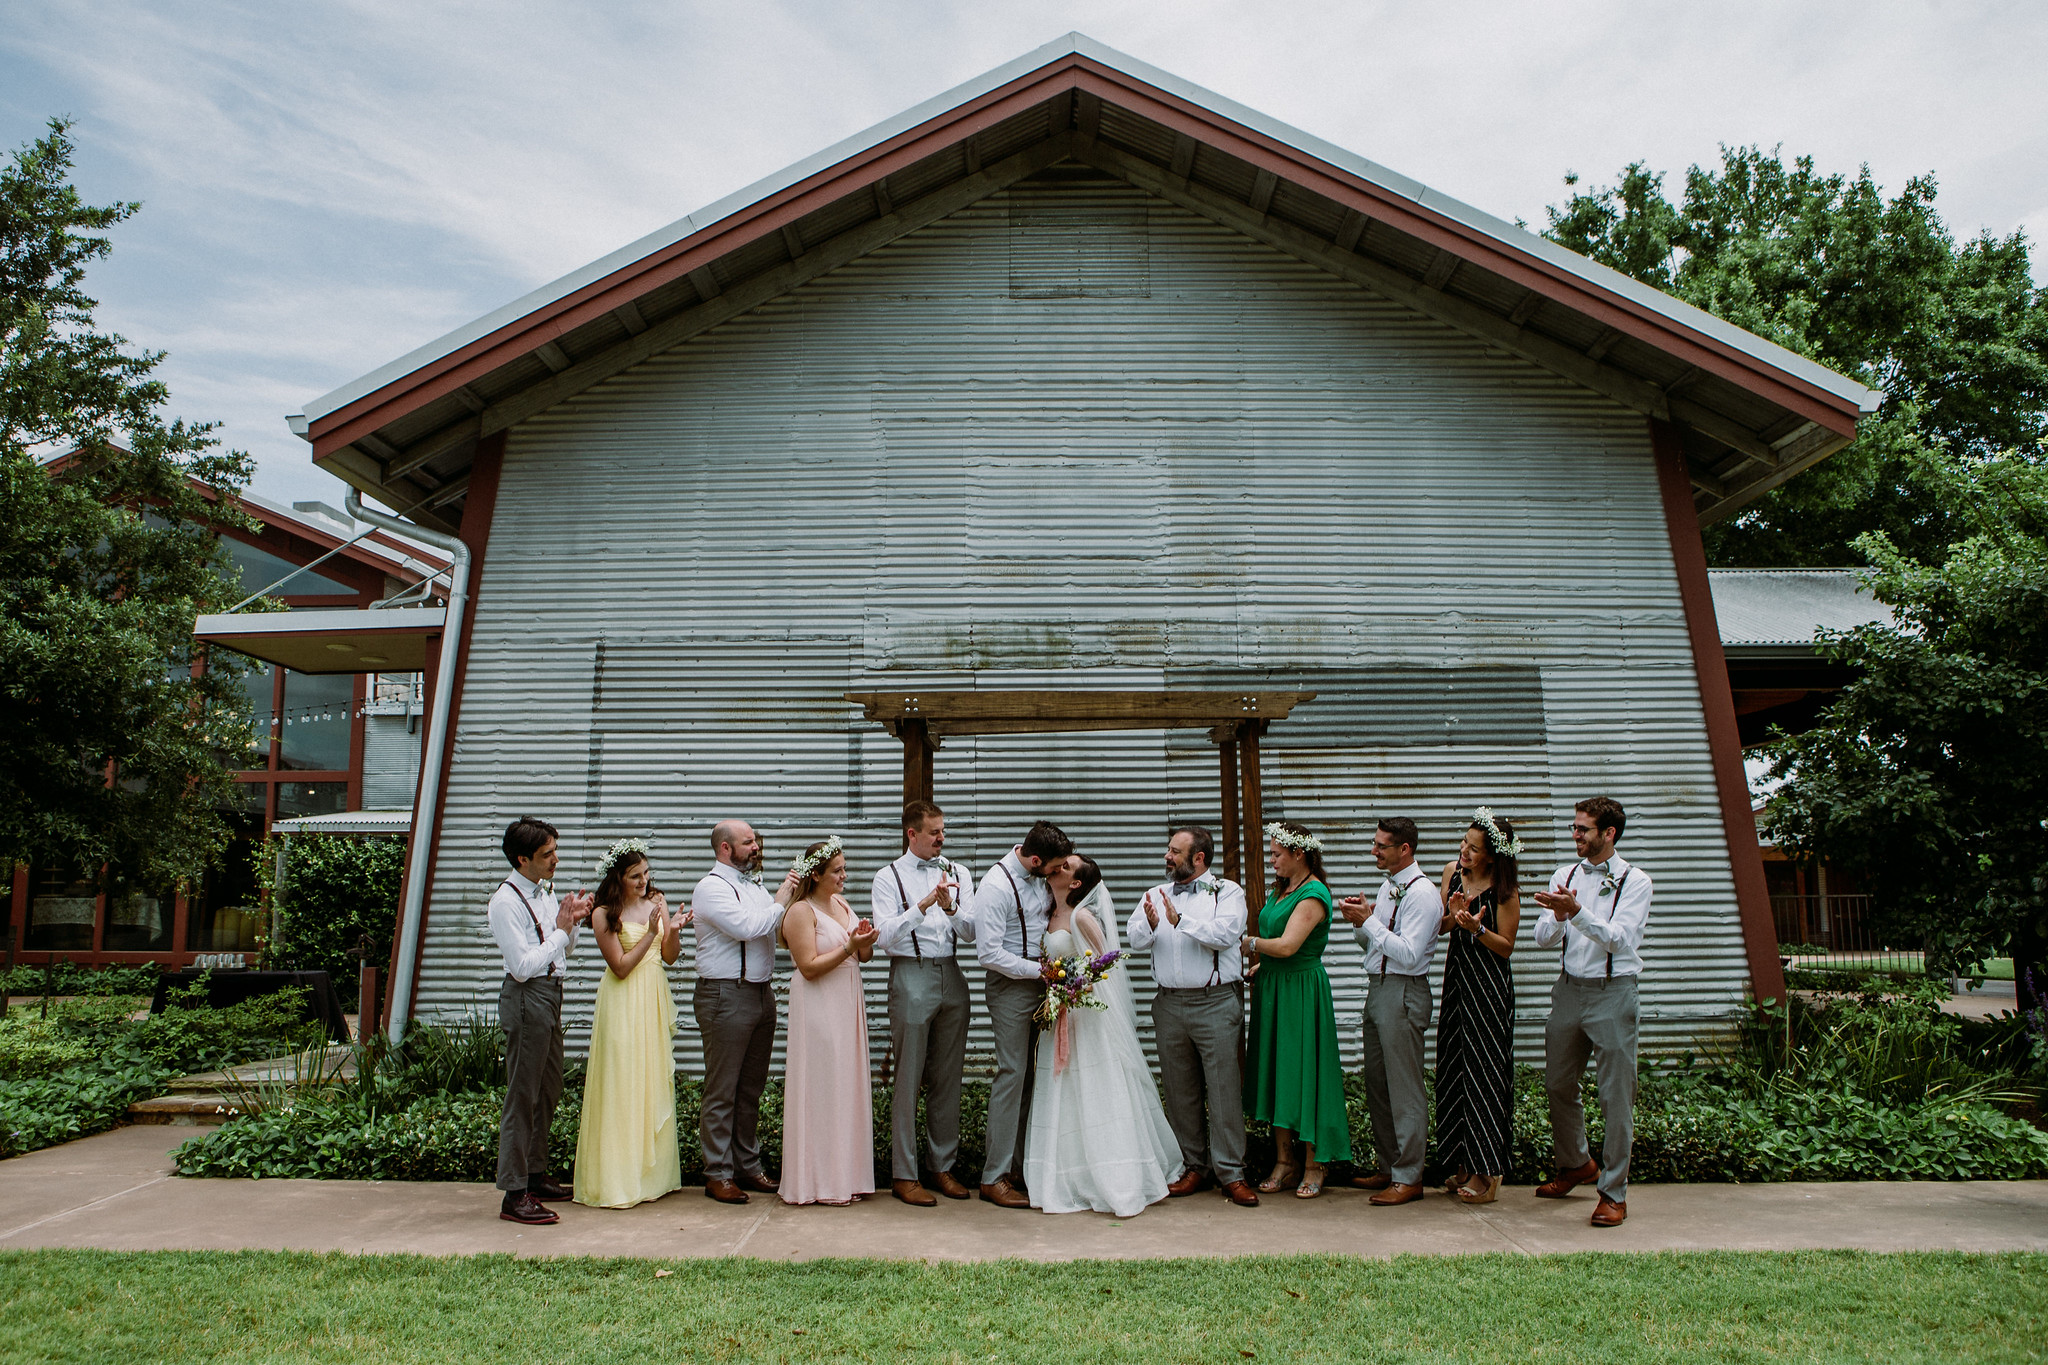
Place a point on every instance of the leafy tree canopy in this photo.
(105, 558)
(1929, 773)
(1876, 288)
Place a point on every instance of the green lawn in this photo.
(1610, 1308)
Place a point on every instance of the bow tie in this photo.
(931, 864)
(1597, 868)
(1184, 888)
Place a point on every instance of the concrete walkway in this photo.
(116, 1191)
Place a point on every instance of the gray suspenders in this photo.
(1394, 915)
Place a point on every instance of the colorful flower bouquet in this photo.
(1070, 985)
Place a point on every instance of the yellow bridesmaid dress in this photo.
(626, 1149)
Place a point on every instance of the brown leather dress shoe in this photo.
(522, 1207)
(1609, 1214)
(756, 1181)
(1396, 1194)
(1378, 1180)
(1004, 1195)
(910, 1192)
(1192, 1182)
(1564, 1182)
(546, 1190)
(945, 1184)
(1241, 1194)
(724, 1191)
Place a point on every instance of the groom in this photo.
(735, 1007)
(1192, 926)
(1010, 914)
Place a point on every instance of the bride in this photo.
(1098, 1138)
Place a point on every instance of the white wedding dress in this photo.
(1098, 1138)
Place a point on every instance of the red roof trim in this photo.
(1073, 71)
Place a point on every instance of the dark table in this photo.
(232, 986)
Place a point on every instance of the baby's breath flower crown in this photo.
(618, 851)
(1288, 838)
(1495, 840)
(808, 863)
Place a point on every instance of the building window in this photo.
(224, 913)
(138, 920)
(310, 798)
(318, 709)
(61, 909)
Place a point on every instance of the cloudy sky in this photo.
(328, 184)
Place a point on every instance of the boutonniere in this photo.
(1608, 885)
(1208, 884)
(1400, 890)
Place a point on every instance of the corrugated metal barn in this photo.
(1081, 378)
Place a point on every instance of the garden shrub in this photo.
(69, 978)
(337, 890)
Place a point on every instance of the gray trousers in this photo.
(1010, 1007)
(530, 1014)
(737, 1022)
(928, 1032)
(1200, 1035)
(1396, 1016)
(1593, 1016)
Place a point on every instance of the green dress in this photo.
(1292, 1077)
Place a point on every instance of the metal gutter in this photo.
(1076, 44)
(412, 911)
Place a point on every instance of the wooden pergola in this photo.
(1234, 720)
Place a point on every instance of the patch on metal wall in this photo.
(1078, 234)
(1377, 708)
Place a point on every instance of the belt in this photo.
(1206, 986)
(734, 981)
(1401, 976)
(1597, 980)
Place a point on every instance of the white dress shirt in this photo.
(526, 931)
(736, 922)
(1400, 934)
(1203, 949)
(1607, 929)
(1010, 912)
(902, 930)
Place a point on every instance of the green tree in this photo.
(111, 749)
(1929, 773)
(1876, 288)
(338, 891)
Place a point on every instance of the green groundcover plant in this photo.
(1873, 1086)
(74, 1071)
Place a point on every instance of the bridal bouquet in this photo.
(1070, 985)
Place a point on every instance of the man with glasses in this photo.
(1598, 907)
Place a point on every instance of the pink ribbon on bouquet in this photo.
(1062, 1043)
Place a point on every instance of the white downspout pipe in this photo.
(412, 913)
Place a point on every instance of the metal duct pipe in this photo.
(412, 913)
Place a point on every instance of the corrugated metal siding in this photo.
(915, 472)
(391, 762)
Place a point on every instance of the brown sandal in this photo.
(1483, 1193)
(1311, 1181)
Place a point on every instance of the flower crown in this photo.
(1288, 838)
(618, 851)
(1495, 840)
(811, 862)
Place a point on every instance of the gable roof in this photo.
(1753, 413)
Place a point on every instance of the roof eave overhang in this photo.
(1076, 81)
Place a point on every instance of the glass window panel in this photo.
(310, 798)
(258, 686)
(226, 914)
(61, 907)
(317, 707)
(259, 568)
(138, 919)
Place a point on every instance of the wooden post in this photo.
(366, 1004)
(917, 760)
(1254, 820)
(1226, 753)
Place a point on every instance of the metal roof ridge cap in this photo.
(684, 227)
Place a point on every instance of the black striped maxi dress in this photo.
(1475, 1051)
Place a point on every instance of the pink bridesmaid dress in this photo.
(828, 1127)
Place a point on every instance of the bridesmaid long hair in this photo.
(611, 892)
(1312, 856)
(1507, 878)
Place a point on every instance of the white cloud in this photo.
(329, 186)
